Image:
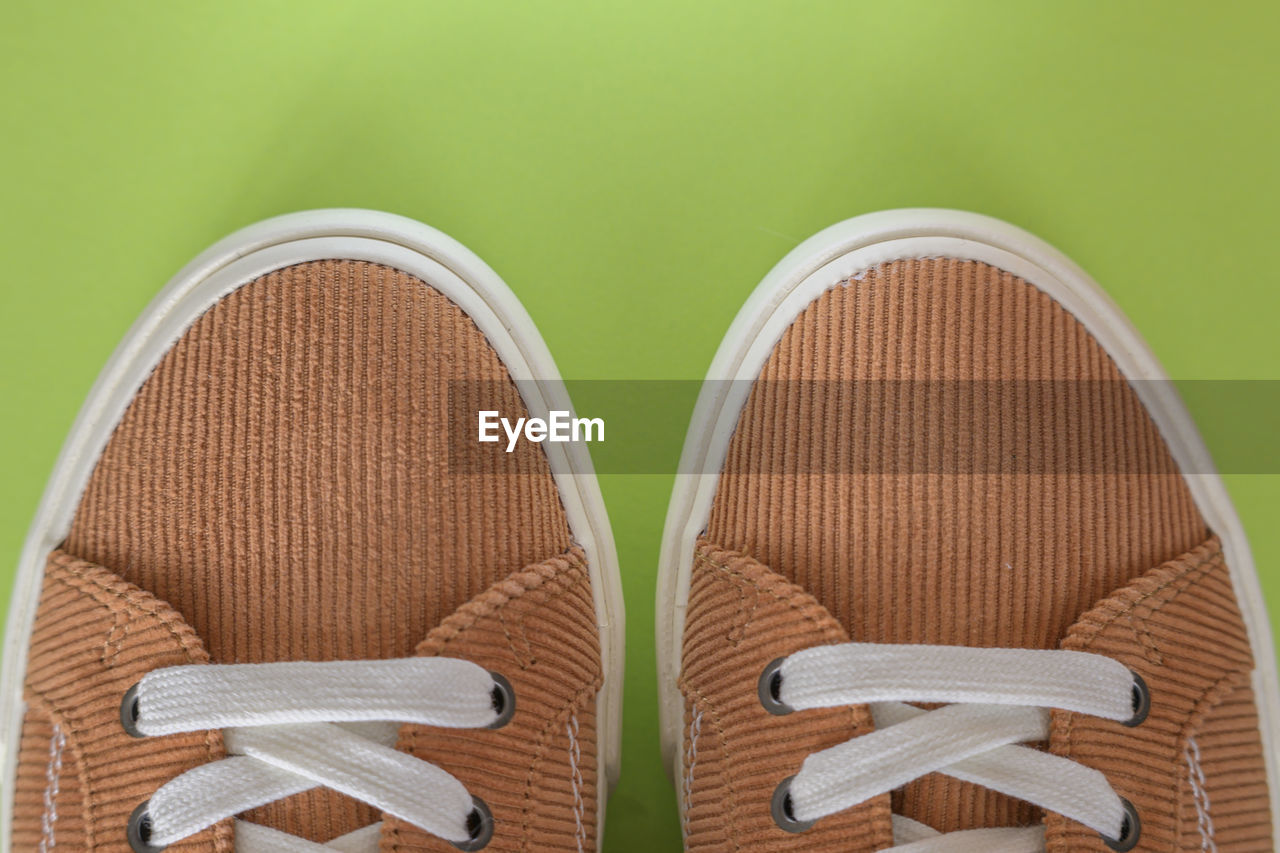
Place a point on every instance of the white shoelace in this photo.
(290, 727)
(999, 698)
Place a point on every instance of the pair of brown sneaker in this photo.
(946, 569)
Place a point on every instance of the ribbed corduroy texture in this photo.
(48, 799)
(291, 480)
(1230, 806)
(283, 479)
(538, 773)
(984, 560)
(95, 637)
(1179, 627)
(913, 549)
(736, 752)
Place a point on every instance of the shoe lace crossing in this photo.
(997, 700)
(292, 726)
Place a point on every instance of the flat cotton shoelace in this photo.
(999, 698)
(289, 727)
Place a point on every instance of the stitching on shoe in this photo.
(699, 698)
(802, 607)
(74, 575)
(53, 782)
(543, 740)
(1150, 649)
(1181, 580)
(527, 580)
(115, 638)
(109, 592)
(789, 594)
(37, 701)
(575, 778)
(555, 581)
(1210, 698)
(526, 658)
(745, 617)
(1195, 778)
(691, 761)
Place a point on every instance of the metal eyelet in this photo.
(784, 810)
(504, 701)
(479, 825)
(139, 830)
(1141, 702)
(129, 712)
(769, 688)
(1130, 830)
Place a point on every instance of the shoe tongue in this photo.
(941, 454)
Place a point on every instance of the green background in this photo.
(632, 170)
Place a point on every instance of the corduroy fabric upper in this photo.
(285, 482)
(1195, 768)
(80, 774)
(746, 617)
(938, 452)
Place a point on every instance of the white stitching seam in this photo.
(1196, 776)
(695, 729)
(53, 776)
(575, 774)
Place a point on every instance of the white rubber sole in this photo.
(854, 246)
(240, 258)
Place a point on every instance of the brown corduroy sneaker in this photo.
(277, 598)
(947, 568)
